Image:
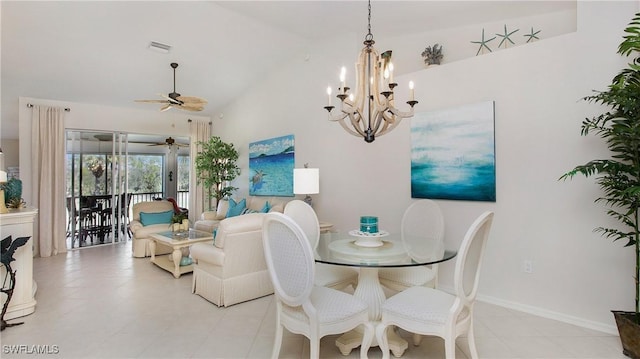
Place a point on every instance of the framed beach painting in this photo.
(453, 153)
(271, 165)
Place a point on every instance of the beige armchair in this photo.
(232, 269)
(141, 233)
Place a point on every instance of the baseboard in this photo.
(540, 312)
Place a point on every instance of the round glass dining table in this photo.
(370, 253)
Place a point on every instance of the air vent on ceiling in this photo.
(156, 46)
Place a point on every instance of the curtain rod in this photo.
(30, 106)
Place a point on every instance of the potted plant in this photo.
(619, 175)
(216, 166)
(432, 55)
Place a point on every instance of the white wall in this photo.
(94, 117)
(10, 151)
(577, 276)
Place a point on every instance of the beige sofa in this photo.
(209, 220)
(141, 234)
(232, 269)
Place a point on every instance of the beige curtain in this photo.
(48, 169)
(198, 199)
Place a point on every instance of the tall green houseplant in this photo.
(216, 167)
(619, 175)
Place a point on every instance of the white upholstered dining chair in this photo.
(302, 307)
(428, 311)
(327, 275)
(422, 233)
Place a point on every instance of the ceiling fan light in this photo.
(162, 48)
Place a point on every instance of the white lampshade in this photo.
(306, 180)
(3, 177)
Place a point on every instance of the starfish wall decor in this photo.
(505, 37)
(483, 43)
(532, 35)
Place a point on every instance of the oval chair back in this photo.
(289, 259)
(306, 218)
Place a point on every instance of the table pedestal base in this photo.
(370, 290)
(353, 339)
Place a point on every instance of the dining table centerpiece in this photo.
(618, 175)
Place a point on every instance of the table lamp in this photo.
(306, 181)
(3, 179)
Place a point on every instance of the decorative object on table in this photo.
(271, 163)
(453, 154)
(180, 222)
(306, 181)
(506, 39)
(432, 55)
(532, 35)
(216, 167)
(374, 94)
(185, 261)
(369, 224)
(3, 181)
(369, 234)
(483, 44)
(13, 193)
(366, 239)
(618, 175)
(9, 247)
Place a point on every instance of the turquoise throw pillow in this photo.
(235, 209)
(148, 219)
(266, 208)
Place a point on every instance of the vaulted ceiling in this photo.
(97, 52)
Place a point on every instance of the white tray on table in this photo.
(365, 239)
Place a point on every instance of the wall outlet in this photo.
(528, 266)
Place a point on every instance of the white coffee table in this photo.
(171, 262)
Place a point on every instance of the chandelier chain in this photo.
(369, 36)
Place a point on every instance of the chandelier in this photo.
(373, 93)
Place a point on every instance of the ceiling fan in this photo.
(174, 99)
(169, 142)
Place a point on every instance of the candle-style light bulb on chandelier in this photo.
(373, 93)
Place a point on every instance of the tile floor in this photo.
(102, 303)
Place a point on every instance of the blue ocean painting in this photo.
(271, 165)
(453, 154)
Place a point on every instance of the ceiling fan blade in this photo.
(151, 101)
(192, 99)
(192, 107)
(166, 107)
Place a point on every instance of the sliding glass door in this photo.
(96, 182)
(108, 172)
